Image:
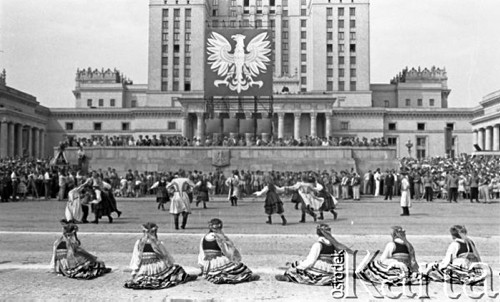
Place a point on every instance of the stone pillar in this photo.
(30, 141)
(19, 139)
(474, 137)
(496, 138)
(487, 143)
(12, 140)
(480, 138)
(296, 126)
(185, 124)
(328, 124)
(3, 139)
(42, 143)
(200, 127)
(313, 124)
(281, 124)
(36, 150)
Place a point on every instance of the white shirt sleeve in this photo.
(389, 249)
(450, 254)
(262, 192)
(154, 185)
(312, 257)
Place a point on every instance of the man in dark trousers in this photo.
(452, 184)
(389, 184)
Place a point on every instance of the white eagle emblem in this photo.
(238, 68)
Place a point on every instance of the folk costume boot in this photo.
(335, 214)
(283, 219)
(176, 221)
(269, 221)
(303, 220)
(296, 206)
(236, 201)
(321, 216)
(184, 220)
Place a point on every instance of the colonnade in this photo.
(487, 138)
(17, 139)
(199, 130)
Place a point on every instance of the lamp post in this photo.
(409, 145)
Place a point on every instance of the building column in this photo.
(3, 139)
(480, 138)
(487, 143)
(185, 125)
(19, 135)
(200, 126)
(328, 124)
(496, 141)
(281, 124)
(42, 143)
(30, 141)
(296, 126)
(36, 150)
(314, 115)
(11, 139)
(474, 137)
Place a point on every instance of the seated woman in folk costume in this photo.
(219, 259)
(397, 264)
(306, 190)
(70, 260)
(151, 264)
(317, 268)
(461, 263)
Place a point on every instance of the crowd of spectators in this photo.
(464, 177)
(180, 141)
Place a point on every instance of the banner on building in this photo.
(238, 62)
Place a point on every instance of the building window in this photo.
(176, 61)
(341, 72)
(176, 72)
(341, 61)
(450, 126)
(188, 36)
(164, 73)
(125, 126)
(419, 102)
(329, 24)
(392, 141)
(285, 46)
(341, 47)
(133, 103)
(408, 102)
(329, 11)
(352, 23)
(344, 125)
(392, 126)
(341, 85)
(164, 48)
(386, 103)
(421, 142)
(341, 35)
(431, 102)
(89, 103)
(303, 57)
(420, 126)
(329, 72)
(177, 24)
(112, 103)
(69, 126)
(285, 35)
(303, 35)
(352, 60)
(165, 37)
(303, 12)
(101, 102)
(341, 23)
(352, 47)
(165, 13)
(303, 80)
(303, 46)
(341, 11)
(352, 85)
(329, 60)
(187, 86)
(303, 68)
(175, 86)
(352, 11)
(353, 72)
(97, 126)
(329, 86)
(329, 48)
(329, 35)
(177, 13)
(188, 12)
(171, 126)
(176, 37)
(164, 86)
(352, 36)
(187, 48)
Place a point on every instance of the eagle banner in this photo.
(238, 62)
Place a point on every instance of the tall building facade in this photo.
(321, 81)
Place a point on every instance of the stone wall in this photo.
(361, 159)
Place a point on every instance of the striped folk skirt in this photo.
(461, 271)
(84, 268)
(391, 272)
(220, 270)
(321, 273)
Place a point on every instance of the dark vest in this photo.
(400, 248)
(210, 245)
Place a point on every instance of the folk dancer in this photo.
(396, 266)
(317, 268)
(180, 200)
(74, 209)
(219, 259)
(460, 264)
(151, 264)
(162, 196)
(203, 186)
(329, 202)
(70, 260)
(309, 202)
(405, 194)
(233, 183)
(273, 203)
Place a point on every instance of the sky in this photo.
(43, 42)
